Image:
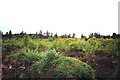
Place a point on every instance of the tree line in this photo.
(48, 34)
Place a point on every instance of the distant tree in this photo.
(36, 35)
(10, 34)
(22, 33)
(41, 32)
(47, 34)
(6, 34)
(73, 36)
(114, 35)
(51, 35)
(65, 35)
(82, 36)
(91, 35)
(69, 36)
(97, 35)
(56, 36)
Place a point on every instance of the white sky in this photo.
(61, 16)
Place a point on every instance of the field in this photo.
(91, 58)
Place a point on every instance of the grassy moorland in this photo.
(82, 58)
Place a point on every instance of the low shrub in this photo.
(32, 46)
(54, 65)
(41, 46)
(26, 40)
(26, 57)
(73, 46)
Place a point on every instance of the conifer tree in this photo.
(10, 34)
(47, 34)
(6, 34)
(73, 36)
(41, 32)
(69, 36)
(56, 35)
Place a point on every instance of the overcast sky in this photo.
(61, 16)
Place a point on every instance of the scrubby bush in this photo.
(54, 65)
(28, 43)
(67, 67)
(41, 46)
(24, 56)
(50, 64)
(58, 45)
(32, 46)
(51, 39)
(26, 40)
(73, 46)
